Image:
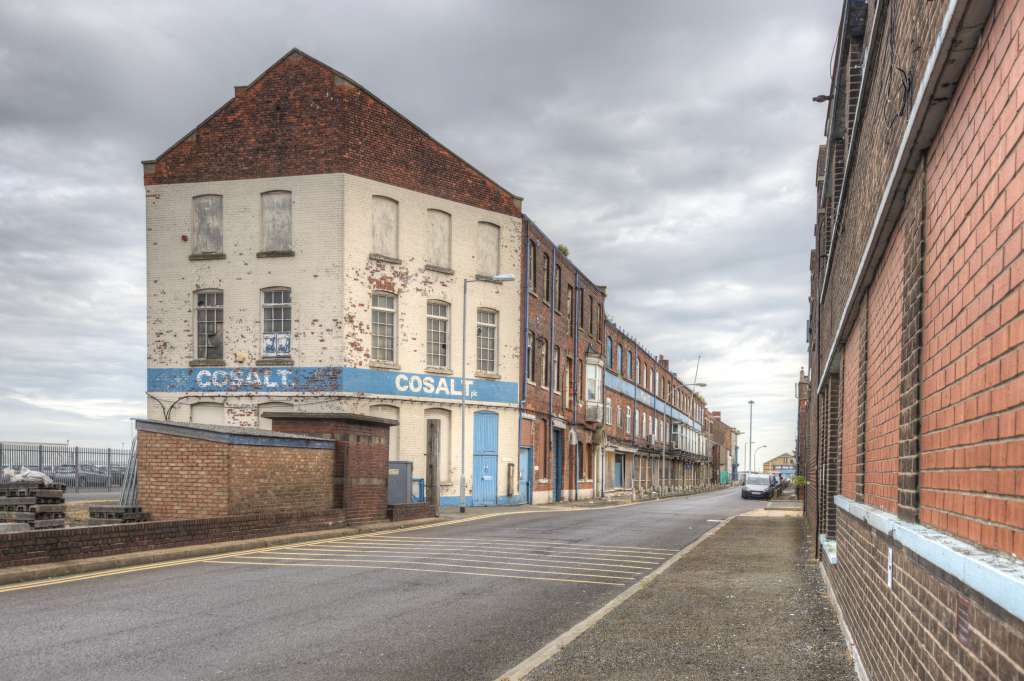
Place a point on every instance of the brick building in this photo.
(724, 441)
(914, 426)
(563, 373)
(656, 427)
(307, 249)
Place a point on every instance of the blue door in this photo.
(485, 458)
(557, 438)
(525, 474)
(618, 470)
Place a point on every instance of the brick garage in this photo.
(198, 471)
(359, 468)
(916, 419)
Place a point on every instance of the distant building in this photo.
(781, 463)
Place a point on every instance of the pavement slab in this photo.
(748, 602)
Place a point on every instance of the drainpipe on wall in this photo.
(576, 362)
(550, 274)
(523, 335)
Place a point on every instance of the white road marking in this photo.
(389, 567)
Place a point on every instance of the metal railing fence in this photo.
(79, 468)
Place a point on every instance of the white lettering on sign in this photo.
(238, 378)
(431, 385)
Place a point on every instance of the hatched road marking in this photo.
(500, 557)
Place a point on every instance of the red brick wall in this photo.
(542, 310)
(182, 477)
(47, 546)
(363, 452)
(972, 442)
(851, 411)
(299, 118)
(884, 319)
(910, 631)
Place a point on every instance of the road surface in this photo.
(465, 600)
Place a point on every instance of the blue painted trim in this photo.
(352, 380)
(829, 548)
(618, 384)
(502, 501)
(999, 578)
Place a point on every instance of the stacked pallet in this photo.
(39, 504)
(110, 515)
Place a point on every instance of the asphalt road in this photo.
(460, 601)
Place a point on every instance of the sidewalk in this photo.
(748, 602)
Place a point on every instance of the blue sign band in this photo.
(616, 383)
(261, 380)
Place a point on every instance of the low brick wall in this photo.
(47, 546)
(928, 625)
(410, 512)
(190, 471)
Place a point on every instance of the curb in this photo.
(67, 568)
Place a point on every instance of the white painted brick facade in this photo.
(331, 277)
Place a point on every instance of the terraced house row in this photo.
(912, 414)
(309, 249)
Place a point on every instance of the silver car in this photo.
(757, 486)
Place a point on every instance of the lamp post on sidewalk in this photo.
(462, 387)
(750, 438)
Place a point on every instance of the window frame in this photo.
(195, 251)
(493, 369)
(264, 246)
(448, 240)
(374, 251)
(217, 307)
(375, 309)
(276, 353)
(444, 341)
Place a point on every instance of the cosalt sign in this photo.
(238, 378)
(432, 385)
(347, 380)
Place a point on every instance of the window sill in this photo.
(207, 256)
(377, 364)
(488, 278)
(438, 269)
(439, 370)
(275, 254)
(489, 375)
(529, 382)
(275, 362)
(385, 258)
(207, 363)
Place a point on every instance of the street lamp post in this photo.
(760, 447)
(462, 387)
(750, 438)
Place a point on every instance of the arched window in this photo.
(488, 247)
(388, 411)
(437, 334)
(268, 424)
(210, 324)
(207, 224)
(276, 211)
(385, 227)
(382, 326)
(277, 322)
(210, 413)
(487, 342)
(439, 239)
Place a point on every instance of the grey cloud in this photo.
(670, 144)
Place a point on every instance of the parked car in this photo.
(757, 486)
(88, 475)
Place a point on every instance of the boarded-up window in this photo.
(277, 222)
(488, 240)
(207, 224)
(385, 226)
(439, 239)
(209, 413)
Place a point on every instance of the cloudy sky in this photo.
(670, 145)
